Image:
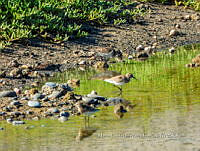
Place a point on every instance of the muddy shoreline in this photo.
(37, 59)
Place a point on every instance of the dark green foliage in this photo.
(59, 20)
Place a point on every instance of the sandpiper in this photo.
(119, 110)
(85, 109)
(120, 80)
(108, 52)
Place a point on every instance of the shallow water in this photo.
(166, 116)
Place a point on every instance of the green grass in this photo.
(60, 20)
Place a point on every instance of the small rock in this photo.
(14, 63)
(1, 128)
(8, 94)
(178, 26)
(17, 90)
(173, 32)
(53, 110)
(2, 74)
(63, 118)
(187, 17)
(18, 122)
(35, 118)
(130, 57)
(16, 73)
(66, 114)
(83, 62)
(143, 55)
(9, 120)
(15, 103)
(38, 96)
(15, 113)
(2, 113)
(55, 94)
(172, 50)
(195, 17)
(35, 104)
(139, 48)
(51, 84)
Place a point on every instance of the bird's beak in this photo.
(135, 78)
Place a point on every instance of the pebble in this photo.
(18, 122)
(173, 32)
(15, 103)
(53, 110)
(139, 48)
(63, 118)
(51, 84)
(35, 118)
(9, 120)
(34, 104)
(38, 96)
(172, 50)
(2, 113)
(66, 114)
(8, 94)
(55, 94)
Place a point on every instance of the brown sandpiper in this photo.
(120, 80)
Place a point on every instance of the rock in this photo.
(15, 103)
(63, 118)
(14, 63)
(178, 26)
(15, 113)
(83, 62)
(114, 101)
(187, 17)
(55, 94)
(17, 90)
(35, 84)
(16, 73)
(9, 120)
(2, 74)
(18, 122)
(31, 92)
(8, 94)
(35, 104)
(143, 55)
(1, 128)
(38, 96)
(139, 48)
(35, 118)
(195, 17)
(2, 113)
(66, 114)
(173, 32)
(51, 84)
(53, 110)
(130, 57)
(172, 50)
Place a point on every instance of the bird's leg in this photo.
(120, 88)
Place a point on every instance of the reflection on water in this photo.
(166, 115)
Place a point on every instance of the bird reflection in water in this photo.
(85, 132)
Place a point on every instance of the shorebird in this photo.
(120, 80)
(119, 110)
(85, 109)
(108, 52)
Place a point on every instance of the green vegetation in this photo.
(60, 20)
